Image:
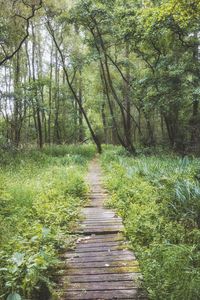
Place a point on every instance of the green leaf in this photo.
(18, 258)
(45, 232)
(3, 269)
(14, 296)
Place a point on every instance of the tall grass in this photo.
(41, 193)
(158, 198)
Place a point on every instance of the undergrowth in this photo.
(158, 198)
(41, 193)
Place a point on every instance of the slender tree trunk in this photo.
(50, 96)
(102, 50)
(38, 116)
(194, 121)
(80, 115)
(57, 138)
(94, 136)
(103, 115)
(127, 95)
(17, 102)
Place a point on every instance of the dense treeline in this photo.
(122, 72)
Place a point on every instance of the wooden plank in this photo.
(92, 211)
(104, 236)
(102, 225)
(109, 236)
(99, 249)
(114, 219)
(94, 205)
(106, 294)
(99, 230)
(99, 239)
(106, 270)
(101, 286)
(105, 259)
(104, 244)
(98, 254)
(103, 264)
(91, 220)
(99, 210)
(101, 222)
(97, 196)
(100, 215)
(100, 277)
(99, 225)
(102, 228)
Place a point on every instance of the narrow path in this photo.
(101, 267)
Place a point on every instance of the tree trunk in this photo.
(80, 115)
(77, 99)
(37, 110)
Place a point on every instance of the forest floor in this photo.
(101, 266)
(53, 226)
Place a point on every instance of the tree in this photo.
(14, 28)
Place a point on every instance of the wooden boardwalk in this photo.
(101, 267)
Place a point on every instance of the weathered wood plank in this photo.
(114, 219)
(104, 236)
(101, 286)
(106, 270)
(103, 264)
(100, 239)
(100, 278)
(97, 211)
(105, 259)
(102, 224)
(99, 215)
(118, 253)
(106, 294)
(104, 244)
(91, 220)
(103, 230)
(98, 249)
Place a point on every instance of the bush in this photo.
(171, 271)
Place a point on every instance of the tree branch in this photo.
(9, 56)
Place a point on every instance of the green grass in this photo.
(41, 193)
(158, 197)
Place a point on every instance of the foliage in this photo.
(41, 195)
(158, 199)
(132, 65)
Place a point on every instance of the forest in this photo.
(117, 81)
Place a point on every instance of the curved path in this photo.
(101, 267)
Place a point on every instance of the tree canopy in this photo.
(118, 72)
